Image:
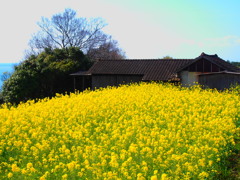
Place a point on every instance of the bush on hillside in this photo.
(44, 75)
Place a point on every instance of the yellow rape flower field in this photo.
(147, 131)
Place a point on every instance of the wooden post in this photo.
(203, 65)
(82, 83)
(74, 83)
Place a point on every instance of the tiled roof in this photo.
(220, 72)
(151, 69)
(215, 60)
(218, 61)
(79, 73)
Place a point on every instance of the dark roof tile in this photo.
(79, 73)
(153, 69)
(215, 60)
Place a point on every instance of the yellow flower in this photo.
(210, 163)
(154, 177)
(10, 175)
(24, 171)
(42, 178)
(121, 131)
(32, 169)
(140, 176)
(65, 176)
(29, 165)
(80, 174)
(164, 177)
(145, 168)
(203, 175)
(71, 165)
(15, 168)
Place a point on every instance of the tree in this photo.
(4, 77)
(108, 50)
(44, 75)
(66, 30)
(167, 57)
(237, 64)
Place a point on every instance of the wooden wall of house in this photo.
(203, 65)
(113, 80)
(190, 75)
(81, 83)
(219, 81)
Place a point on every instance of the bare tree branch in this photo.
(108, 50)
(66, 30)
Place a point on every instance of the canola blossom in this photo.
(139, 131)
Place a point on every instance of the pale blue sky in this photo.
(143, 28)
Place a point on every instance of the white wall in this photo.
(188, 78)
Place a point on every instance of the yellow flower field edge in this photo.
(139, 131)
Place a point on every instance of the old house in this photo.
(205, 69)
(205, 65)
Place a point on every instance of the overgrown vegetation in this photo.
(44, 75)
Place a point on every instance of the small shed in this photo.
(204, 64)
(219, 80)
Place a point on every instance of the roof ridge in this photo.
(144, 59)
(211, 55)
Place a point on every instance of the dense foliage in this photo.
(44, 75)
(236, 64)
(146, 131)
